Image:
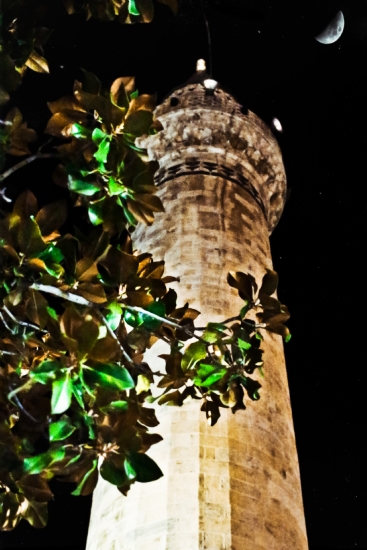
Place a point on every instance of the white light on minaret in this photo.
(210, 84)
(200, 65)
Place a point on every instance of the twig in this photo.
(3, 352)
(111, 333)
(24, 411)
(6, 324)
(3, 196)
(22, 323)
(25, 162)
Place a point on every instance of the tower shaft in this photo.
(235, 485)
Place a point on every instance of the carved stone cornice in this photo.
(212, 129)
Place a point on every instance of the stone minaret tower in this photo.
(236, 485)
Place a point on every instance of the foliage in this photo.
(78, 308)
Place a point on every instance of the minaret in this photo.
(236, 485)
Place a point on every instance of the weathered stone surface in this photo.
(236, 485)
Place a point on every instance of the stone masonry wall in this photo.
(236, 485)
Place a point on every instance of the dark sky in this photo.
(266, 54)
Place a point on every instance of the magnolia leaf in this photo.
(25, 205)
(37, 63)
(146, 10)
(30, 238)
(151, 202)
(145, 467)
(148, 322)
(88, 482)
(111, 473)
(116, 407)
(61, 429)
(36, 308)
(46, 371)
(173, 398)
(172, 4)
(119, 89)
(110, 376)
(36, 513)
(143, 384)
(86, 270)
(132, 8)
(93, 292)
(194, 353)
(36, 464)
(61, 393)
(121, 266)
(51, 217)
(244, 282)
(138, 122)
(269, 283)
(82, 187)
(35, 488)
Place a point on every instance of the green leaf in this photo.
(96, 211)
(132, 8)
(113, 318)
(103, 149)
(98, 135)
(129, 470)
(110, 376)
(36, 464)
(245, 309)
(207, 375)
(110, 472)
(82, 187)
(115, 406)
(61, 393)
(242, 344)
(83, 487)
(146, 469)
(148, 322)
(77, 390)
(194, 353)
(61, 429)
(78, 131)
(45, 372)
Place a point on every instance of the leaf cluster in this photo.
(79, 308)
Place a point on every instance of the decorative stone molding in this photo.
(212, 129)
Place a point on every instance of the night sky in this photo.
(265, 53)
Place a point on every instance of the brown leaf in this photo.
(86, 270)
(104, 349)
(60, 123)
(35, 487)
(66, 103)
(151, 202)
(37, 63)
(172, 4)
(51, 217)
(36, 308)
(94, 293)
(120, 265)
(141, 214)
(25, 205)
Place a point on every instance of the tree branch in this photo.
(25, 162)
(69, 296)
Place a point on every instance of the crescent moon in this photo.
(333, 31)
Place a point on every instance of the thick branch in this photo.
(49, 289)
